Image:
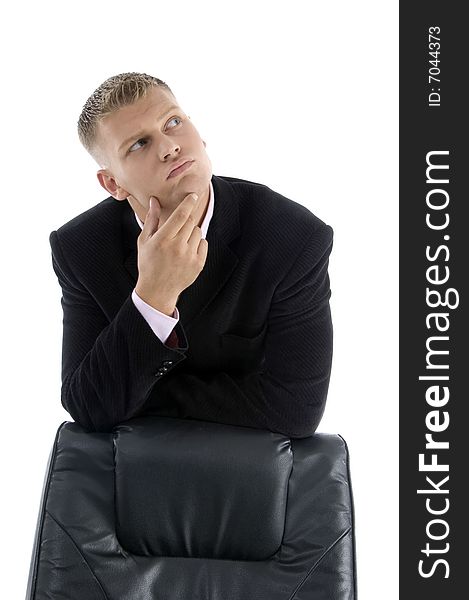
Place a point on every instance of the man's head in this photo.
(134, 128)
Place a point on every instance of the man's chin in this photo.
(194, 184)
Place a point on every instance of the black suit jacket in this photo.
(255, 328)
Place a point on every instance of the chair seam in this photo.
(313, 568)
(352, 514)
(80, 553)
(42, 512)
(279, 551)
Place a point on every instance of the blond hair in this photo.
(114, 93)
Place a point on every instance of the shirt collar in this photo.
(208, 214)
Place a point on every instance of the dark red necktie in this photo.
(173, 340)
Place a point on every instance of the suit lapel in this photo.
(221, 260)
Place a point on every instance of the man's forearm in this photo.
(161, 322)
(256, 400)
(161, 303)
(116, 376)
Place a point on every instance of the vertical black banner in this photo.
(434, 270)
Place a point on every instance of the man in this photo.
(215, 309)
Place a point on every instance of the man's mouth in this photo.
(180, 169)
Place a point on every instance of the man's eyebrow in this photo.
(141, 132)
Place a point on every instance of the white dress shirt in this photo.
(162, 324)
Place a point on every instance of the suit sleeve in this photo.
(108, 368)
(289, 393)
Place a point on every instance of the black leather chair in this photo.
(172, 509)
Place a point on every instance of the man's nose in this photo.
(168, 148)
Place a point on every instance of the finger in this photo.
(179, 216)
(203, 250)
(194, 238)
(150, 226)
(189, 229)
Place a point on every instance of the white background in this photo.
(301, 96)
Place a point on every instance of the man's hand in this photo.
(171, 257)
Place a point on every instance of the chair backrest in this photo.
(180, 509)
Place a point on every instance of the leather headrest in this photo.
(196, 489)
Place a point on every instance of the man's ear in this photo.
(110, 185)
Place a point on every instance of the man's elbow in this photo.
(81, 416)
(302, 427)
(299, 431)
(299, 409)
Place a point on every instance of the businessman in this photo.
(187, 294)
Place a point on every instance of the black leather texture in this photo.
(194, 490)
(173, 509)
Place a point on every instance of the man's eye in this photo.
(175, 119)
(134, 146)
(144, 140)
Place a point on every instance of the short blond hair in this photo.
(114, 93)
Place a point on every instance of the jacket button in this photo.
(167, 363)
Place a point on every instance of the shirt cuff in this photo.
(161, 324)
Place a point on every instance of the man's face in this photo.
(142, 142)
